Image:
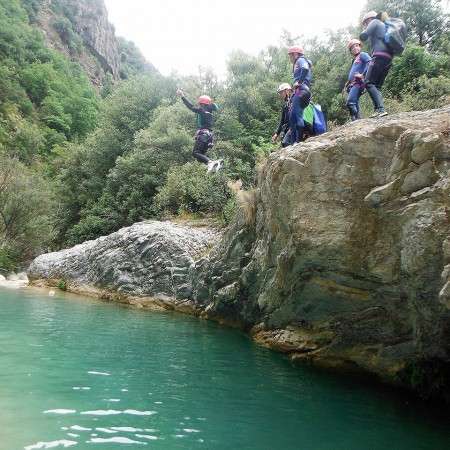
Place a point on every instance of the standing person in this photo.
(381, 60)
(203, 136)
(355, 83)
(285, 92)
(302, 93)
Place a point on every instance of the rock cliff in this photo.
(66, 22)
(342, 256)
(91, 22)
(347, 262)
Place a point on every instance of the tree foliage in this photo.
(99, 162)
(24, 206)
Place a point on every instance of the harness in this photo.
(203, 135)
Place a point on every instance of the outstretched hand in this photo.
(180, 93)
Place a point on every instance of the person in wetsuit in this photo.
(302, 92)
(285, 92)
(355, 83)
(204, 135)
(381, 60)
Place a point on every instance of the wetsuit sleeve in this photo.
(369, 30)
(282, 122)
(190, 105)
(365, 59)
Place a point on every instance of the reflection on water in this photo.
(76, 372)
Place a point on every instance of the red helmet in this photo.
(204, 99)
(296, 49)
(369, 15)
(353, 42)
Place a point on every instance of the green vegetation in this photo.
(78, 162)
(61, 285)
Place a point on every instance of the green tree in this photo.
(415, 63)
(24, 204)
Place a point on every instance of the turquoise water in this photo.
(84, 374)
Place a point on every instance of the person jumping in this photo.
(203, 136)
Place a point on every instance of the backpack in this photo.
(320, 124)
(395, 36)
(308, 115)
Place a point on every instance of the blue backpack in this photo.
(320, 124)
(396, 32)
(395, 36)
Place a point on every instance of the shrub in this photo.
(425, 93)
(9, 258)
(189, 188)
(61, 285)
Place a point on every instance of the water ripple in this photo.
(65, 443)
(119, 440)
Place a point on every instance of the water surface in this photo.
(79, 373)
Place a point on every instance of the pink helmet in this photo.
(353, 42)
(296, 49)
(204, 99)
(369, 15)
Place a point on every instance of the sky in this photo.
(181, 35)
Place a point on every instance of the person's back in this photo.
(381, 60)
(376, 31)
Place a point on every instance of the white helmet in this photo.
(283, 87)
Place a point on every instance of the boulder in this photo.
(148, 264)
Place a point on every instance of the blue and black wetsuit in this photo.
(203, 136)
(355, 85)
(381, 62)
(301, 98)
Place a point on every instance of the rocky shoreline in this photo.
(340, 258)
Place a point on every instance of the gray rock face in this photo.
(91, 22)
(147, 264)
(341, 257)
(347, 261)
